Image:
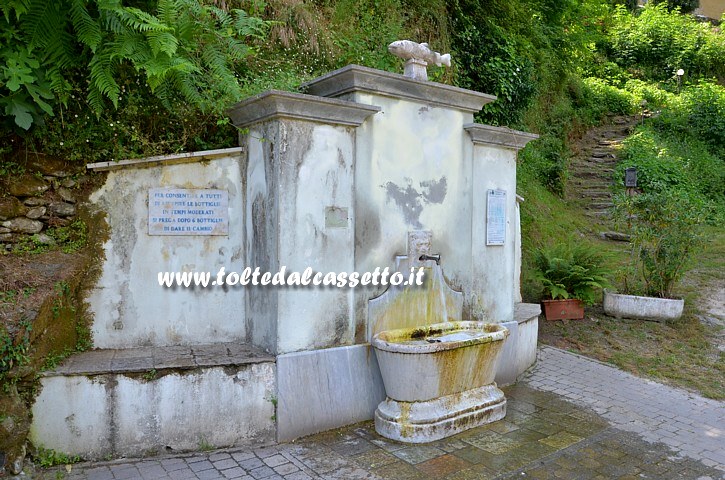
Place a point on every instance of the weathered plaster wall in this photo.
(324, 389)
(417, 169)
(297, 172)
(129, 306)
(413, 172)
(120, 416)
(262, 224)
(519, 351)
(711, 8)
(493, 267)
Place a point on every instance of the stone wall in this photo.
(43, 196)
(129, 307)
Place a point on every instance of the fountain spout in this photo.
(436, 258)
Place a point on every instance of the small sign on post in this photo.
(630, 181)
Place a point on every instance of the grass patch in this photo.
(683, 353)
(204, 445)
(49, 458)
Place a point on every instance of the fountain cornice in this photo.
(498, 136)
(355, 78)
(274, 104)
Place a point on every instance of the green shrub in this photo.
(666, 230)
(606, 70)
(699, 112)
(673, 162)
(657, 43)
(602, 98)
(181, 48)
(546, 160)
(493, 58)
(655, 96)
(705, 113)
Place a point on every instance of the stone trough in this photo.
(439, 380)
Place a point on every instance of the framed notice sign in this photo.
(183, 211)
(496, 217)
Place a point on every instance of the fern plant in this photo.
(184, 49)
(572, 272)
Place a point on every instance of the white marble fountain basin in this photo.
(439, 379)
(436, 360)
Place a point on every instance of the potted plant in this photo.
(571, 276)
(665, 230)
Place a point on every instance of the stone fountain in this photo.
(363, 166)
(438, 371)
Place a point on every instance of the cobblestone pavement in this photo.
(690, 424)
(569, 418)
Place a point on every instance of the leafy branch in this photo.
(184, 49)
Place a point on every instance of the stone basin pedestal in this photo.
(422, 422)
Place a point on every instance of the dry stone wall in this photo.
(42, 197)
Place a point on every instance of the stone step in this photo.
(584, 183)
(591, 169)
(584, 167)
(595, 166)
(598, 213)
(615, 236)
(591, 175)
(616, 133)
(600, 205)
(596, 161)
(594, 194)
(601, 161)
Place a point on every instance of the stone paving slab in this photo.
(569, 418)
(688, 423)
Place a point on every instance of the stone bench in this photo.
(141, 401)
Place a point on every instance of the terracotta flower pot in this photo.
(570, 309)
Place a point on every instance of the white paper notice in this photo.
(496, 217)
(181, 211)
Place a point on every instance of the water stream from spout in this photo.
(439, 283)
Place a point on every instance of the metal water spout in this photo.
(436, 258)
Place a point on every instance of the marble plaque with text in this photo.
(184, 211)
(496, 217)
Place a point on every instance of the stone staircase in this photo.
(591, 170)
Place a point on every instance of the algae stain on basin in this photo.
(415, 307)
(432, 361)
(439, 379)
